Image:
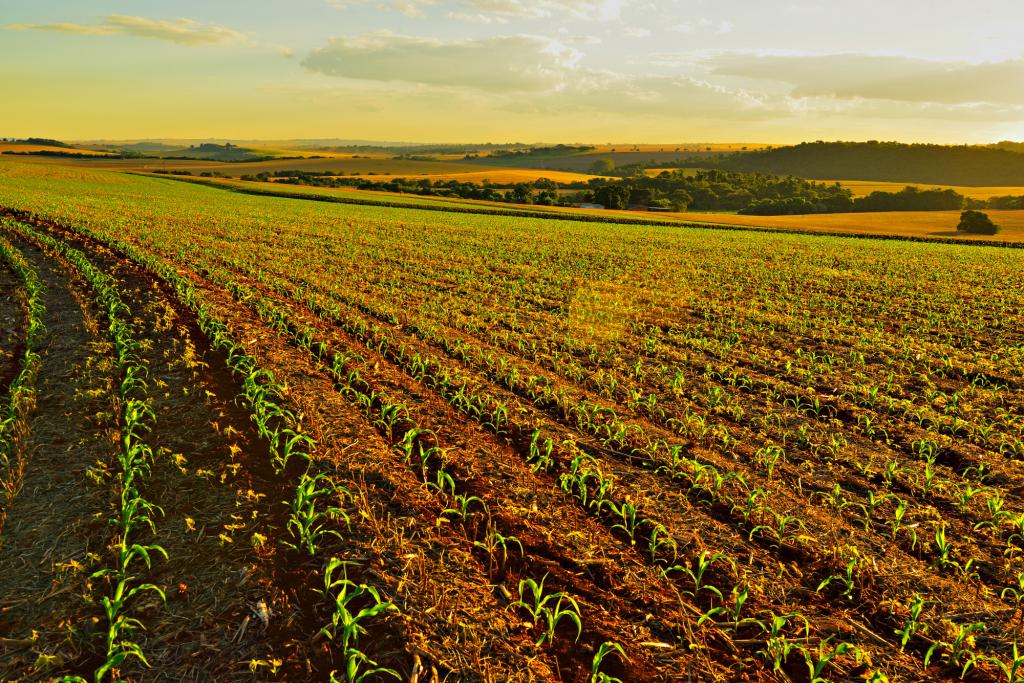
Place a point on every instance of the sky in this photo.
(583, 71)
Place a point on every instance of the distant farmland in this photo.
(346, 165)
(862, 188)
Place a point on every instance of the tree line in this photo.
(675, 190)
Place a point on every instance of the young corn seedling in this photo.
(996, 514)
(944, 549)
(733, 611)
(786, 528)
(607, 648)
(540, 458)
(443, 483)
(917, 605)
(769, 457)
(307, 524)
(778, 647)
(1016, 593)
(463, 507)
(662, 546)
(1012, 670)
(897, 522)
(819, 661)
(547, 610)
(958, 653)
(348, 619)
(359, 668)
(388, 417)
(754, 506)
(290, 443)
(696, 573)
(493, 543)
(847, 581)
(629, 520)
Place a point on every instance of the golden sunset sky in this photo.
(514, 70)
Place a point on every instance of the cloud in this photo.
(872, 77)
(636, 32)
(528, 74)
(537, 76)
(517, 63)
(181, 31)
(705, 26)
(601, 10)
(659, 96)
(500, 11)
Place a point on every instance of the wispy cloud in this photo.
(874, 77)
(705, 26)
(500, 11)
(180, 31)
(520, 63)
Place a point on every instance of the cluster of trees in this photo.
(676, 190)
(1001, 164)
(1006, 203)
(46, 142)
(539, 151)
(907, 199)
(541, 191)
(712, 190)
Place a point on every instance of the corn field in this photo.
(262, 438)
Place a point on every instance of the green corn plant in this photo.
(917, 605)
(786, 528)
(958, 654)
(819, 661)
(540, 458)
(388, 416)
(606, 648)
(629, 520)
(1014, 669)
(413, 443)
(944, 548)
(753, 505)
(662, 546)
(307, 523)
(1016, 592)
(463, 507)
(347, 619)
(443, 483)
(1017, 537)
(848, 581)
(769, 457)
(538, 605)
(121, 627)
(740, 593)
(359, 668)
(897, 522)
(701, 564)
(996, 514)
(778, 647)
(292, 443)
(492, 543)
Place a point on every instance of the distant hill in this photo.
(39, 142)
(1001, 164)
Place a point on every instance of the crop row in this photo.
(20, 397)
(133, 513)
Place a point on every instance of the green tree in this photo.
(602, 167)
(976, 223)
